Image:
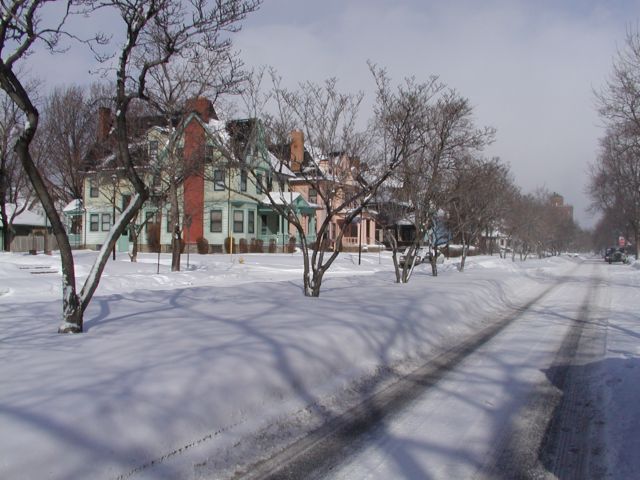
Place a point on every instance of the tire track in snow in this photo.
(314, 455)
(558, 434)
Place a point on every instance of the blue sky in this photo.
(528, 67)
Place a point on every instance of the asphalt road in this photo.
(514, 401)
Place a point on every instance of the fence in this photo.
(30, 243)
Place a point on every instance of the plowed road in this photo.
(522, 399)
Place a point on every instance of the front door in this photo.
(123, 241)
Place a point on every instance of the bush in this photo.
(272, 245)
(228, 244)
(291, 247)
(259, 246)
(203, 245)
(243, 246)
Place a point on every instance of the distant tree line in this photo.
(614, 184)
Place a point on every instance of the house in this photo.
(223, 175)
(329, 178)
(32, 231)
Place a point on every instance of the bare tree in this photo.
(400, 124)
(207, 74)
(615, 182)
(15, 191)
(479, 194)
(615, 176)
(155, 31)
(331, 160)
(448, 135)
(69, 131)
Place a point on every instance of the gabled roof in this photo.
(284, 198)
(26, 218)
(292, 199)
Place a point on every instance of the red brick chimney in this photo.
(104, 123)
(203, 107)
(297, 150)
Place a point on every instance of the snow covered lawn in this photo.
(178, 371)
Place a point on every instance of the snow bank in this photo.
(183, 369)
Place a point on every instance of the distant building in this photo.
(556, 200)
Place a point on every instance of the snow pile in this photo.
(183, 369)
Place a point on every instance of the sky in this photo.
(529, 68)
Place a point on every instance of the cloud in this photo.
(528, 67)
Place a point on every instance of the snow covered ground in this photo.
(185, 375)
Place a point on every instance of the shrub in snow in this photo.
(203, 245)
(243, 246)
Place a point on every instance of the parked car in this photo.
(421, 254)
(617, 255)
(608, 252)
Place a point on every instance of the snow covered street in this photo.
(202, 373)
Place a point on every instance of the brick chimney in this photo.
(104, 123)
(297, 150)
(203, 107)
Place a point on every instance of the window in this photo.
(243, 180)
(169, 222)
(238, 221)
(251, 221)
(313, 195)
(208, 153)
(153, 148)
(215, 221)
(106, 221)
(258, 183)
(93, 188)
(94, 219)
(218, 180)
(150, 218)
(269, 183)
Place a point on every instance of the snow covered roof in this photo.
(27, 217)
(73, 206)
(281, 198)
(279, 166)
(218, 128)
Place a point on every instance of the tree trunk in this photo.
(434, 266)
(464, 257)
(135, 234)
(7, 234)
(176, 238)
(393, 242)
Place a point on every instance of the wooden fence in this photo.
(31, 243)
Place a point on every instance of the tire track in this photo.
(319, 451)
(557, 435)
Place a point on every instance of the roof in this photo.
(282, 198)
(279, 166)
(26, 218)
(73, 206)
